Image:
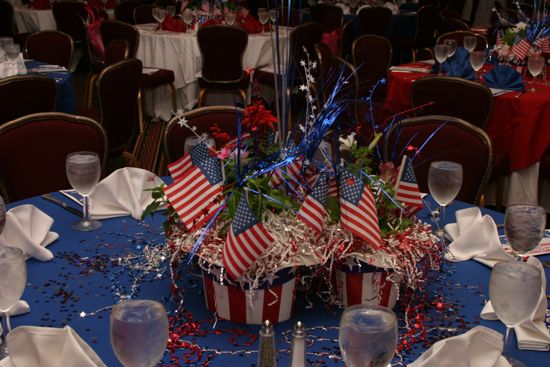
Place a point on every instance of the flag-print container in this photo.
(272, 300)
(361, 283)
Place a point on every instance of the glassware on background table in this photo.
(441, 51)
(12, 52)
(159, 14)
(514, 289)
(13, 277)
(230, 18)
(188, 19)
(367, 335)
(470, 43)
(139, 332)
(535, 65)
(171, 10)
(83, 171)
(477, 60)
(444, 182)
(273, 16)
(451, 44)
(263, 17)
(524, 226)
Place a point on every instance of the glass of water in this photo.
(188, 19)
(263, 17)
(230, 18)
(451, 44)
(470, 43)
(477, 60)
(139, 332)
(524, 226)
(535, 64)
(83, 171)
(514, 288)
(367, 335)
(441, 52)
(444, 182)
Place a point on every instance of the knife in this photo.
(67, 207)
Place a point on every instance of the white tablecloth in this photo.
(180, 52)
(33, 20)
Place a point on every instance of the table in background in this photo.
(85, 278)
(65, 100)
(29, 20)
(180, 53)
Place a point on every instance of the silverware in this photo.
(67, 207)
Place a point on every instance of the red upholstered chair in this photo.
(26, 94)
(52, 136)
(444, 138)
(374, 20)
(70, 18)
(203, 118)
(481, 43)
(329, 16)
(144, 14)
(53, 47)
(455, 97)
(348, 36)
(7, 28)
(124, 11)
(426, 19)
(222, 48)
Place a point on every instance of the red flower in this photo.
(221, 137)
(257, 118)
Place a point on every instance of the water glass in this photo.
(535, 65)
(477, 60)
(263, 17)
(273, 16)
(470, 43)
(188, 19)
(451, 44)
(171, 10)
(441, 51)
(139, 332)
(444, 183)
(12, 52)
(83, 171)
(515, 289)
(159, 14)
(524, 226)
(230, 18)
(367, 336)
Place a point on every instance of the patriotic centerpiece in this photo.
(258, 209)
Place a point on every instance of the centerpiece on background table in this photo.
(262, 212)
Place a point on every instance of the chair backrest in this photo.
(25, 95)
(115, 51)
(69, 17)
(41, 143)
(113, 29)
(349, 34)
(6, 19)
(444, 138)
(222, 48)
(124, 11)
(446, 25)
(144, 14)
(290, 20)
(372, 57)
(329, 16)
(117, 89)
(374, 20)
(303, 38)
(203, 118)
(455, 97)
(425, 26)
(53, 47)
(481, 43)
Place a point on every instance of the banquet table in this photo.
(93, 270)
(28, 20)
(180, 53)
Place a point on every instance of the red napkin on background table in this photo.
(212, 21)
(40, 5)
(173, 24)
(250, 24)
(110, 4)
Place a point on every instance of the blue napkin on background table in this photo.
(459, 65)
(504, 77)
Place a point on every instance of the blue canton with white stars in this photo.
(244, 217)
(351, 187)
(210, 166)
(320, 191)
(408, 175)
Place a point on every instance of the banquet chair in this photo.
(52, 47)
(124, 11)
(226, 117)
(329, 16)
(349, 34)
(372, 57)
(7, 26)
(222, 48)
(424, 34)
(25, 95)
(70, 18)
(446, 25)
(443, 138)
(374, 20)
(144, 14)
(52, 135)
(481, 43)
(452, 96)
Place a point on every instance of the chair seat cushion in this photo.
(159, 77)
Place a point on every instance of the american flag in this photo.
(194, 195)
(521, 49)
(543, 43)
(246, 241)
(178, 168)
(290, 172)
(407, 187)
(332, 187)
(357, 208)
(500, 40)
(313, 211)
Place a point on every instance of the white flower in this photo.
(520, 26)
(347, 142)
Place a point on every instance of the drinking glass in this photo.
(524, 226)
(470, 43)
(159, 14)
(441, 51)
(367, 335)
(188, 18)
(477, 60)
(230, 18)
(12, 51)
(171, 10)
(514, 289)
(139, 332)
(273, 16)
(13, 277)
(451, 44)
(83, 171)
(263, 17)
(444, 183)
(535, 64)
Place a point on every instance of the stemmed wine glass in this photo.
(441, 52)
(159, 14)
(230, 18)
(470, 43)
(524, 226)
(273, 17)
(83, 171)
(444, 182)
(367, 335)
(514, 289)
(13, 277)
(477, 60)
(535, 64)
(139, 332)
(263, 17)
(171, 10)
(188, 19)
(12, 52)
(451, 44)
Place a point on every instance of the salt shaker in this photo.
(298, 351)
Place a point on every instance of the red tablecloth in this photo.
(519, 125)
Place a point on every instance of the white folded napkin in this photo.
(475, 237)
(479, 347)
(123, 192)
(28, 228)
(531, 334)
(411, 69)
(32, 346)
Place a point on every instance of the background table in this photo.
(65, 99)
(33, 20)
(86, 277)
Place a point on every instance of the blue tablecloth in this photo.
(66, 101)
(86, 278)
